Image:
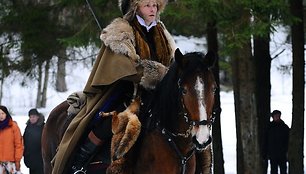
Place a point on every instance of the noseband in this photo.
(193, 123)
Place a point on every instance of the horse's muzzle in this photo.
(200, 147)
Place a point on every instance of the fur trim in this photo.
(128, 7)
(170, 40)
(119, 37)
(153, 73)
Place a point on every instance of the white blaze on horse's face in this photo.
(203, 132)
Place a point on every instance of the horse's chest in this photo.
(156, 155)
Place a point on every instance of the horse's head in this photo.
(196, 87)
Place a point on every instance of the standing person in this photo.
(277, 143)
(136, 50)
(32, 142)
(11, 145)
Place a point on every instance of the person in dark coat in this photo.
(277, 143)
(32, 142)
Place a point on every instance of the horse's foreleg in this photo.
(204, 161)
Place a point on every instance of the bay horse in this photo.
(177, 121)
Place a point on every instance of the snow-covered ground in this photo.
(20, 99)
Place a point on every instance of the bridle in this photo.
(169, 136)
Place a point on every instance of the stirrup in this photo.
(80, 171)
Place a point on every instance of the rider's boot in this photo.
(85, 153)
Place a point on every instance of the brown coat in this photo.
(116, 60)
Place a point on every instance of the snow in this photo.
(19, 99)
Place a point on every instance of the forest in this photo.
(42, 35)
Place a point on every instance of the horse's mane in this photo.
(166, 108)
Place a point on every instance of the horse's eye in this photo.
(214, 90)
(184, 91)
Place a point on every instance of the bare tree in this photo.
(296, 140)
(263, 91)
(212, 42)
(60, 84)
(248, 158)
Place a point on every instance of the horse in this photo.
(176, 121)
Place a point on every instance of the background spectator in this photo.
(10, 142)
(277, 143)
(32, 142)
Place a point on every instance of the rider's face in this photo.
(147, 9)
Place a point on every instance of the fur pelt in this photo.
(119, 37)
(126, 128)
(128, 7)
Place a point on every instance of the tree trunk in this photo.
(60, 84)
(45, 86)
(248, 158)
(39, 83)
(218, 161)
(263, 92)
(296, 140)
(1, 88)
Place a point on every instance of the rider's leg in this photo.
(96, 138)
(102, 131)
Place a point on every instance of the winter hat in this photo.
(33, 112)
(128, 7)
(276, 112)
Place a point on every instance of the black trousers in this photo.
(281, 163)
(124, 91)
(36, 170)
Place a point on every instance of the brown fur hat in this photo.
(128, 7)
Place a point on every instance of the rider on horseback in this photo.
(136, 50)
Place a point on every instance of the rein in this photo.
(183, 159)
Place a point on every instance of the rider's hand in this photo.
(153, 73)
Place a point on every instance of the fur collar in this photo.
(120, 38)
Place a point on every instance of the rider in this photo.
(136, 49)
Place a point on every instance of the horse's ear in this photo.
(210, 58)
(178, 56)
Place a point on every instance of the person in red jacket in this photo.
(11, 144)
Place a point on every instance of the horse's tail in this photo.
(52, 132)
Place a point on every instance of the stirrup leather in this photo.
(80, 171)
